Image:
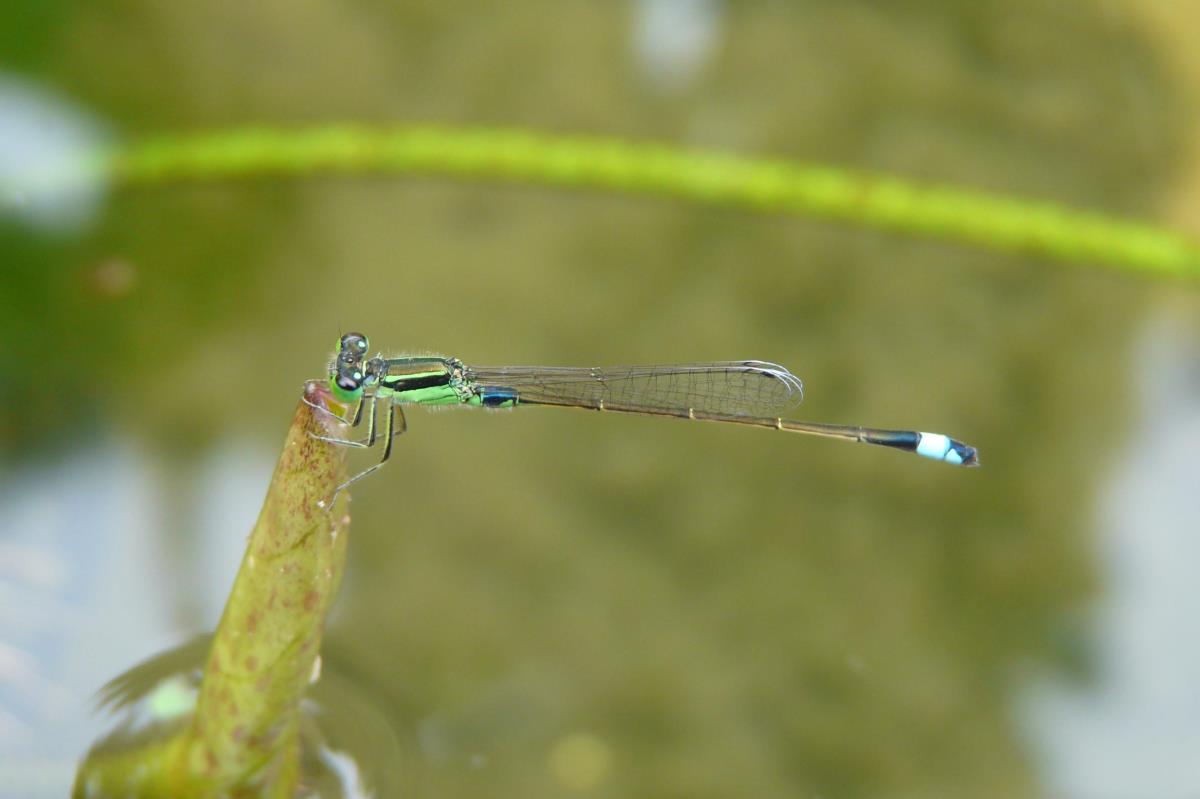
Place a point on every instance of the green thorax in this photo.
(427, 381)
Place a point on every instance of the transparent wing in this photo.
(743, 388)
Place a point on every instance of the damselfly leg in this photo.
(390, 431)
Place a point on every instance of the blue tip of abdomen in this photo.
(943, 448)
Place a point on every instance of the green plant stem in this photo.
(244, 734)
(243, 738)
(975, 218)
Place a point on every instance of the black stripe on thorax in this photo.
(408, 383)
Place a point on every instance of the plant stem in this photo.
(989, 221)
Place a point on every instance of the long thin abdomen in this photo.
(929, 445)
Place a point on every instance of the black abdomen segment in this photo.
(897, 439)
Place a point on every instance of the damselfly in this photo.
(754, 393)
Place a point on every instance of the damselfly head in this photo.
(346, 374)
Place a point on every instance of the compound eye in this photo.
(347, 383)
(353, 344)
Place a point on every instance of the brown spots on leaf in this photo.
(294, 551)
(269, 736)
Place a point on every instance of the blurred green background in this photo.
(553, 603)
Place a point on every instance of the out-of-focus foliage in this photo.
(874, 201)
